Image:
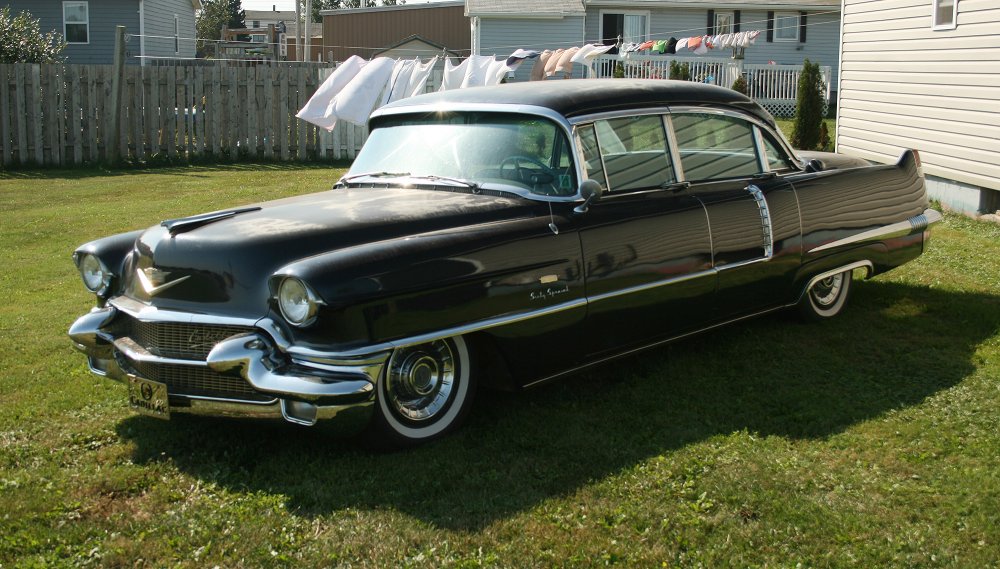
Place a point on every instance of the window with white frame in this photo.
(945, 14)
(723, 23)
(786, 26)
(631, 27)
(177, 35)
(76, 22)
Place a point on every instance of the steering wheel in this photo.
(517, 160)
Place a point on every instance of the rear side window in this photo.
(592, 155)
(634, 151)
(715, 146)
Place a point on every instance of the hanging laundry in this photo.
(358, 99)
(453, 75)
(538, 71)
(660, 46)
(671, 46)
(590, 52)
(320, 109)
(519, 56)
(550, 65)
(418, 79)
(565, 64)
(646, 45)
(681, 44)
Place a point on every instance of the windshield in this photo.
(522, 153)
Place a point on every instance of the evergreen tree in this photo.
(808, 108)
(740, 85)
(218, 13)
(22, 40)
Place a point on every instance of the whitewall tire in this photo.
(827, 297)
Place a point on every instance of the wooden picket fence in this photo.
(63, 115)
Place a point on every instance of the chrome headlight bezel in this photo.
(297, 302)
(94, 273)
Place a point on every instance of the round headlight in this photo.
(298, 304)
(95, 275)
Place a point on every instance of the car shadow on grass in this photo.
(895, 346)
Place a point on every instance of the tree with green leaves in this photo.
(22, 40)
(214, 15)
(318, 5)
(808, 108)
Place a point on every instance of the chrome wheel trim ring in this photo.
(826, 292)
(420, 381)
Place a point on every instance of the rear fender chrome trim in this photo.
(913, 224)
(867, 265)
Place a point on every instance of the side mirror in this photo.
(591, 191)
(814, 165)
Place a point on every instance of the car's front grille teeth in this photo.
(198, 381)
(178, 340)
(184, 341)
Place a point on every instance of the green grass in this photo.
(867, 441)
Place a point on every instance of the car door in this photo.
(646, 245)
(752, 210)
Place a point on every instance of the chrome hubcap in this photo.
(420, 380)
(826, 291)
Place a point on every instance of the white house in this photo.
(925, 74)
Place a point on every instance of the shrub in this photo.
(680, 71)
(808, 108)
(22, 40)
(740, 85)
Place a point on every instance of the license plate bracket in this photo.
(148, 397)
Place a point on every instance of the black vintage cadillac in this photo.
(496, 236)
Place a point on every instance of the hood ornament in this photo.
(153, 280)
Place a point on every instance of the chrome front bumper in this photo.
(303, 388)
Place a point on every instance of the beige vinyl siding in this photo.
(904, 85)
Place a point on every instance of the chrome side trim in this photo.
(652, 285)
(147, 313)
(651, 345)
(350, 356)
(765, 220)
(915, 223)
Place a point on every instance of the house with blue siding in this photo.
(791, 30)
(162, 28)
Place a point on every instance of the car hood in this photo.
(221, 265)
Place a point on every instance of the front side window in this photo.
(629, 26)
(714, 147)
(777, 159)
(76, 22)
(522, 153)
(944, 14)
(786, 26)
(634, 152)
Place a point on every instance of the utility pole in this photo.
(307, 43)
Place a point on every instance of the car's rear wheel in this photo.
(827, 297)
(425, 391)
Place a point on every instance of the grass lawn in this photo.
(868, 441)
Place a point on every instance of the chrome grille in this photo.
(183, 341)
(178, 340)
(198, 381)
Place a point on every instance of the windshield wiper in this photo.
(434, 178)
(349, 179)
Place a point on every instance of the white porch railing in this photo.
(775, 87)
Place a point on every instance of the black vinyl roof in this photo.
(578, 97)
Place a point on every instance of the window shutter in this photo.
(710, 27)
(736, 21)
(770, 27)
(802, 27)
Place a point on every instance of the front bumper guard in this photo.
(305, 391)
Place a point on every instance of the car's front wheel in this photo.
(425, 391)
(827, 297)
